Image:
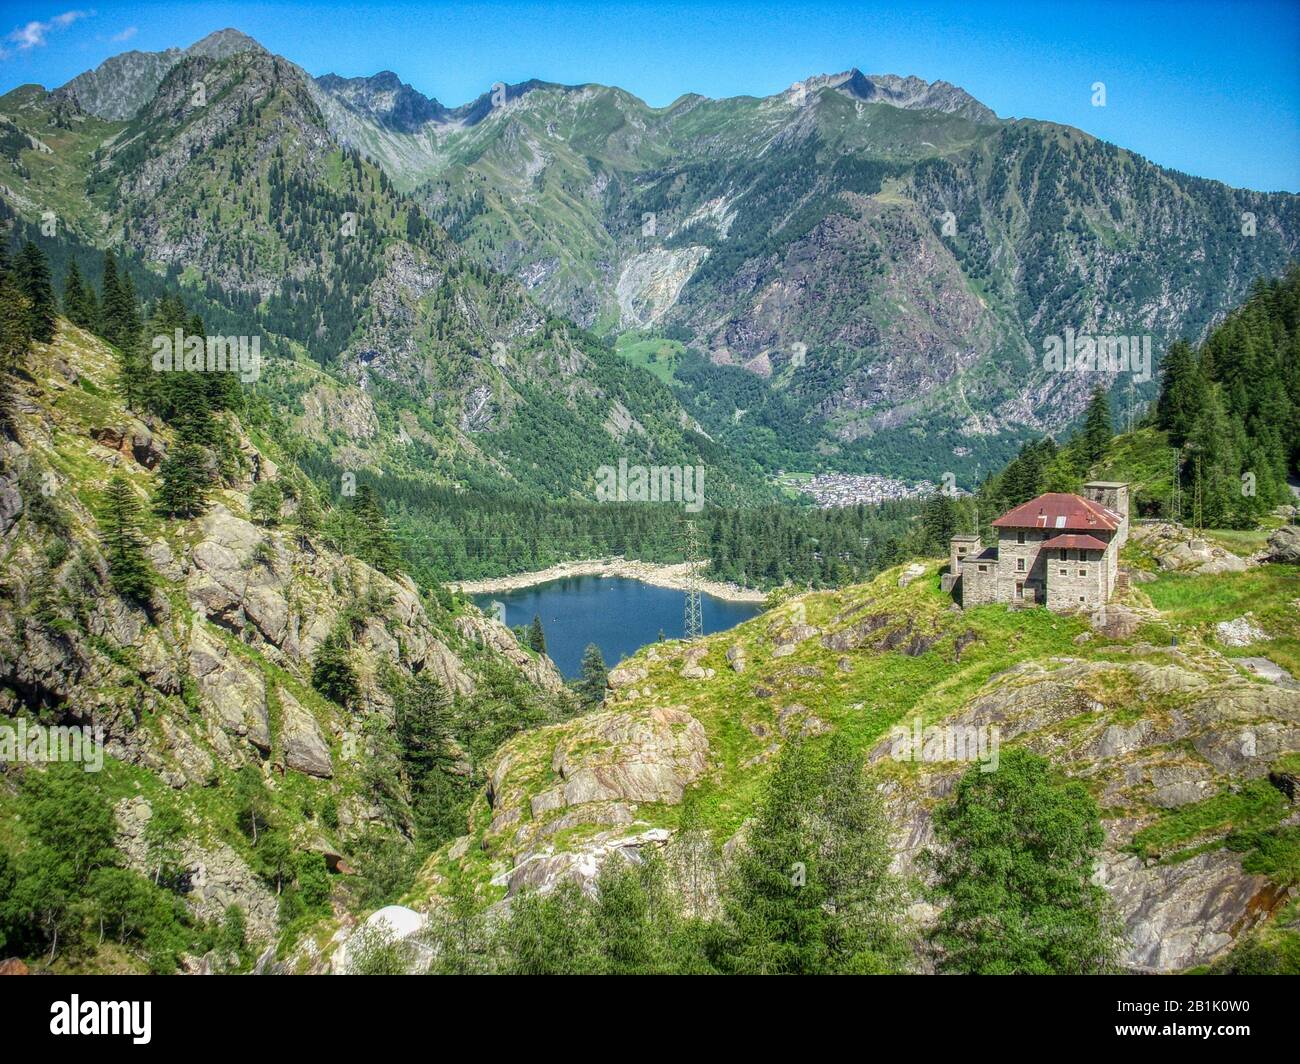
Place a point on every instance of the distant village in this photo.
(849, 489)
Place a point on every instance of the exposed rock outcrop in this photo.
(1284, 545)
(305, 748)
(218, 876)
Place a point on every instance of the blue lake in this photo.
(617, 614)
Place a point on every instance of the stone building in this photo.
(1059, 550)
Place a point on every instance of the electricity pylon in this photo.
(694, 625)
(1176, 494)
(1198, 516)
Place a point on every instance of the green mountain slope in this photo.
(886, 265)
(239, 194)
(1152, 725)
(207, 686)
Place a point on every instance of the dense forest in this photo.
(1227, 420)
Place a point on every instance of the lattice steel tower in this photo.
(1176, 491)
(694, 625)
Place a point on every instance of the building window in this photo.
(1020, 565)
(1083, 572)
(1065, 556)
(1082, 599)
(1065, 572)
(984, 568)
(1020, 537)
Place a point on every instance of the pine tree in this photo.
(332, 673)
(32, 275)
(15, 324)
(119, 317)
(1182, 391)
(265, 501)
(123, 543)
(812, 891)
(307, 516)
(377, 546)
(595, 675)
(536, 637)
(183, 482)
(1098, 429)
(421, 709)
(79, 305)
(939, 521)
(776, 909)
(1017, 851)
(120, 326)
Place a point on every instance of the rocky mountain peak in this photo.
(224, 43)
(120, 86)
(910, 93)
(385, 99)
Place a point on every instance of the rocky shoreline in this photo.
(669, 576)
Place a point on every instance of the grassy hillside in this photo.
(858, 661)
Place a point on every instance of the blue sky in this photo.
(1211, 89)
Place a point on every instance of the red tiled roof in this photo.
(1076, 542)
(1060, 510)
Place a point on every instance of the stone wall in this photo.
(960, 548)
(1010, 552)
(978, 588)
(1072, 591)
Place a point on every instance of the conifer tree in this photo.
(377, 546)
(420, 708)
(183, 482)
(32, 275)
(1018, 849)
(1182, 391)
(537, 637)
(123, 543)
(775, 907)
(119, 321)
(265, 500)
(79, 305)
(120, 325)
(332, 673)
(15, 324)
(939, 521)
(1097, 427)
(307, 516)
(595, 675)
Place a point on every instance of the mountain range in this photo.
(862, 272)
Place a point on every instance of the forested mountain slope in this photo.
(882, 259)
(842, 267)
(263, 698)
(228, 183)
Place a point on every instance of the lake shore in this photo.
(672, 577)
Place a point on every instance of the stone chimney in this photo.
(1112, 494)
